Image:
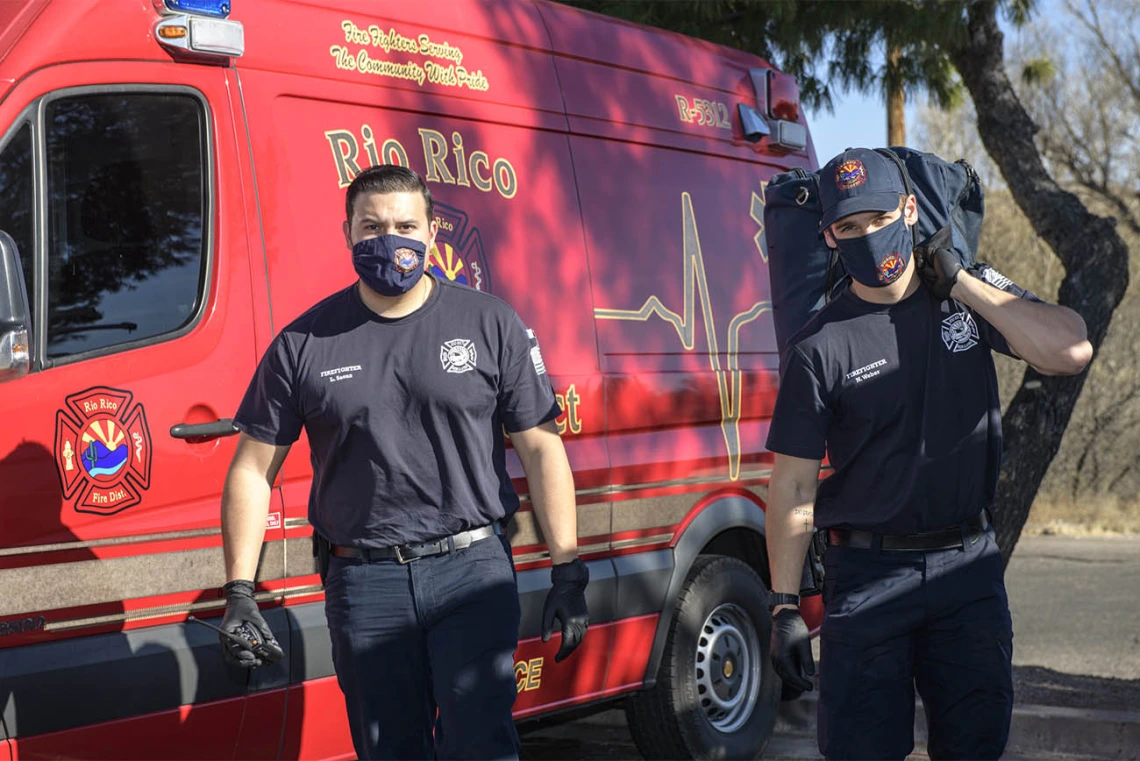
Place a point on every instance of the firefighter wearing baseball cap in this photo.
(894, 380)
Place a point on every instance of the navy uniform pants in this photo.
(894, 621)
(424, 652)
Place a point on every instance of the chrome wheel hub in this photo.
(728, 668)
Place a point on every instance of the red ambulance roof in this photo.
(15, 17)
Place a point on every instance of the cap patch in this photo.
(850, 175)
(890, 268)
(406, 260)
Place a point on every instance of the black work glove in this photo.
(938, 268)
(244, 619)
(566, 601)
(790, 649)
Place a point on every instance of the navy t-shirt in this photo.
(903, 399)
(404, 416)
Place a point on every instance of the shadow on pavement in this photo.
(603, 735)
(1041, 686)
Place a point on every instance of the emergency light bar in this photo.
(213, 8)
(777, 112)
(210, 37)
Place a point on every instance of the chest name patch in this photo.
(866, 372)
(959, 332)
(340, 373)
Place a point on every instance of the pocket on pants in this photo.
(494, 551)
(337, 583)
(848, 581)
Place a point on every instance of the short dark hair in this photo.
(387, 178)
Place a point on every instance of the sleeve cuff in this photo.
(265, 435)
(516, 423)
(792, 450)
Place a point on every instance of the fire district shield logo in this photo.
(891, 268)
(406, 260)
(458, 254)
(850, 175)
(102, 450)
(457, 355)
(959, 332)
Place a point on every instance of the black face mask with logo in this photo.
(389, 264)
(878, 259)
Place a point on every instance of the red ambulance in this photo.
(172, 178)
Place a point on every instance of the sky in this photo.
(860, 121)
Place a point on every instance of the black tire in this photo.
(679, 717)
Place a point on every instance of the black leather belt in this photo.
(928, 541)
(406, 553)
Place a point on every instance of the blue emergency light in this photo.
(213, 8)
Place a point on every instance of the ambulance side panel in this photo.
(672, 205)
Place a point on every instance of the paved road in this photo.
(1076, 611)
(1075, 604)
(605, 737)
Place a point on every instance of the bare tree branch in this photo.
(1095, 28)
(1094, 257)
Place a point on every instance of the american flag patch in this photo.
(996, 279)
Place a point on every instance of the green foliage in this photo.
(828, 44)
(1038, 71)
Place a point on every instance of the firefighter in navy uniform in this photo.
(404, 385)
(894, 380)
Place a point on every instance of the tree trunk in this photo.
(1094, 257)
(896, 101)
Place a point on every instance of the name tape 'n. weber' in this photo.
(864, 370)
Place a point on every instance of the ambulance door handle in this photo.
(223, 427)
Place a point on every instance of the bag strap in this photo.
(831, 275)
(801, 174)
(907, 184)
(973, 179)
(902, 168)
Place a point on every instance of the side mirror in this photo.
(15, 357)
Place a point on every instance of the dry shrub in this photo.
(1094, 516)
(1095, 478)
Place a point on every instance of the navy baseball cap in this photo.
(858, 180)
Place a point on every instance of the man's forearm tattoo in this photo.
(807, 513)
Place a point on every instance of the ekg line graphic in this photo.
(695, 284)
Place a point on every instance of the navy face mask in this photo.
(389, 264)
(878, 259)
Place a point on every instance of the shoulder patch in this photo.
(536, 354)
(995, 278)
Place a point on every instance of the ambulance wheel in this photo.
(716, 695)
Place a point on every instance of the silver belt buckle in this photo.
(400, 555)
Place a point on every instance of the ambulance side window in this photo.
(17, 211)
(126, 178)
